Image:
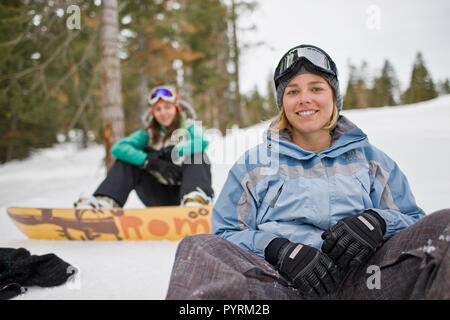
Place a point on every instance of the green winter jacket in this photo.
(129, 149)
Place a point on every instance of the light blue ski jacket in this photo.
(277, 189)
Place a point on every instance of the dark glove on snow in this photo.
(159, 160)
(310, 271)
(18, 269)
(353, 240)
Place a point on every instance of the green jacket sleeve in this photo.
(129, 149)
(196, 142)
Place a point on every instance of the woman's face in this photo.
(308, 103)
(164, 112)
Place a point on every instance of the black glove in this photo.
(310, 271)
(151, 152)
(351, 241)
(18, 269)
(164, 153)
(157, 161)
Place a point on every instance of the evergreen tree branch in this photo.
(83, 103)
(15, 77)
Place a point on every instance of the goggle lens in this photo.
(313, 55)
(162, 93)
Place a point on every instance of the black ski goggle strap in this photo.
(315, 56)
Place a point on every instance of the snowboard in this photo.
(151, 223)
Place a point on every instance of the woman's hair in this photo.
(156, 132)
(282, 121)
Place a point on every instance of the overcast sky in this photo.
(349, 29)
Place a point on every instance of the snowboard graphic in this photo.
(152, 223)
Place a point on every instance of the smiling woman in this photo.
(164, 113)
(325, 208)
(308, 97)
(308, 109)
(165, 162)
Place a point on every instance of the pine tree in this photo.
(384, 87)
(237, 8)
(46, 72)
(207, 72)
(350, 98)
(152, 44)
(255, 104)
(421, 86)
(362, 90)
(272, 109)
(444, 87)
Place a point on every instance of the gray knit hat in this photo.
(302, 67)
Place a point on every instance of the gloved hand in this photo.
(351, 241)
(18, 269)
(311, 271)
(159, 160)
(164, 153)
(150, 151)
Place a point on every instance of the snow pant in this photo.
(124, 177)
(413, 264)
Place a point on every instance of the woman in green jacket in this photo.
(165, 162)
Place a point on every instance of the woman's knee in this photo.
(438, 220)
(198, 241)
(443, 214)
(120, 163)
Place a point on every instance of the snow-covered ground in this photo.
(416, 136)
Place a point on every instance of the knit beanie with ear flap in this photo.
(306, 67)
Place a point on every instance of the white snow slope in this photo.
(416, 136)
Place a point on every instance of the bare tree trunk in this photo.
(143, 84)
(143, 93)
(222, 89)
(237, 101)
(111, 98)
(13, 130)
(186, 91)
(212, 101)
(85, 130)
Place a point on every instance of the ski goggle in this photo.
(318, 58)
(162, 93)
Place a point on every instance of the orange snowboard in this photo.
(152, 223)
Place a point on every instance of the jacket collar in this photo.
(346, 136)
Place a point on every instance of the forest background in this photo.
(87, 66)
